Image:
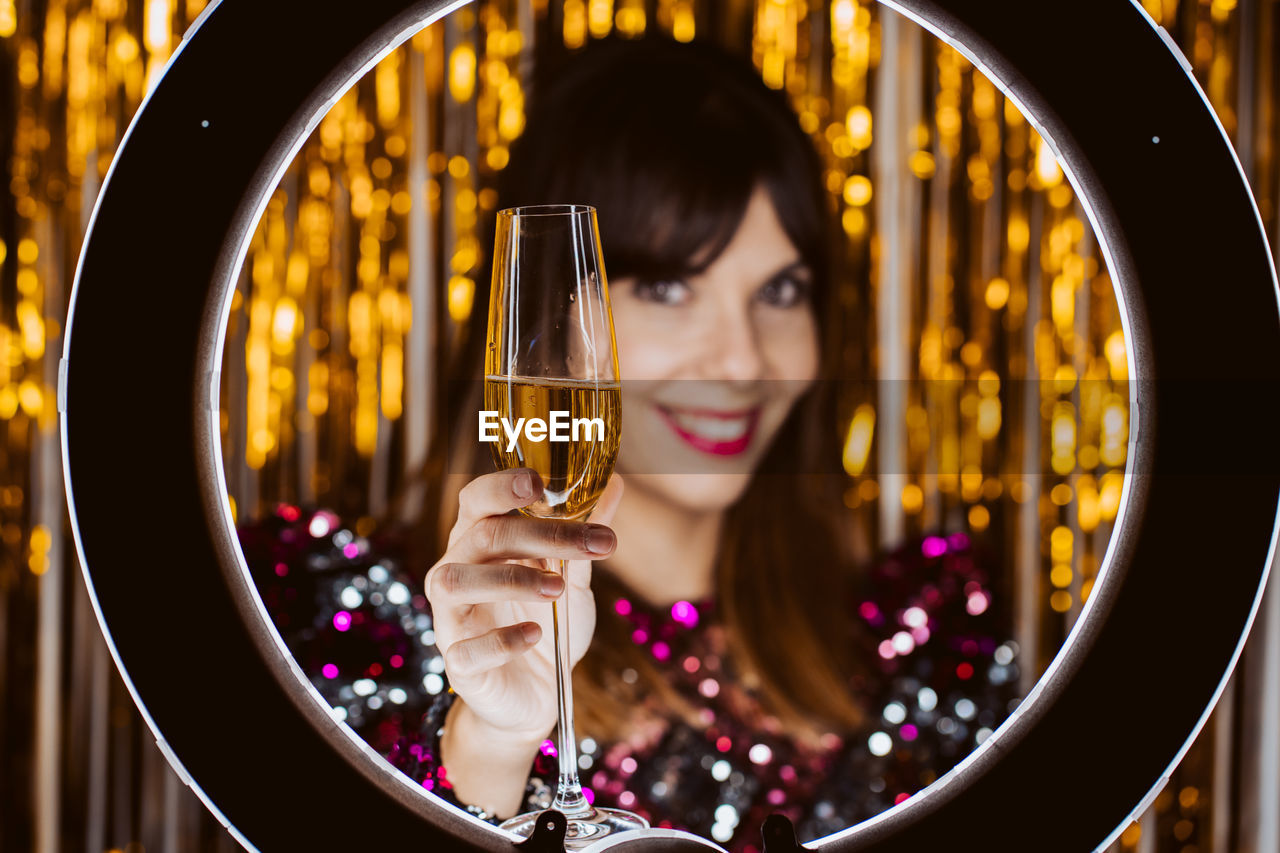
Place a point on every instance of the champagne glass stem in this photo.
(569, 799)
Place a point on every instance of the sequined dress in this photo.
(361, 630)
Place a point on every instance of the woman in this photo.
(713, 227)
(737, 664)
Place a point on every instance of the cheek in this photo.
(792, 349)
(647, 347)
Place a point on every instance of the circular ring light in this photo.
(1085, 751)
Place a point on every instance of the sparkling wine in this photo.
(549, 318)
(566, 430)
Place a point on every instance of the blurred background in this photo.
(969, 275)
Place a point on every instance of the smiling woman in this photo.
(741, 660)
(749, 653)
(740, 663)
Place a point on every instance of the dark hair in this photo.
(668, 141)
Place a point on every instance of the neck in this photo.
(665, 552)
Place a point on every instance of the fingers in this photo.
(451, 585)
(477, 655)
(497, 494)
(519, 537)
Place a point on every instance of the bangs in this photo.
(656, 155)
(667, 142)
(678, 201)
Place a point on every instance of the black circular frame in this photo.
(1090, 745)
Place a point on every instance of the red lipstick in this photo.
(708, 443)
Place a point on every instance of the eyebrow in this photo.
(798, 265)
(795, 266)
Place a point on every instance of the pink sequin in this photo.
(933, 546)
(684, 613)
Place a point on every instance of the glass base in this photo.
(582, 831)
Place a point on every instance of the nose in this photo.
(734, 351)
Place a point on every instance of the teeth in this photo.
(714, 429)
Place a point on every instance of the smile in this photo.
(717, 432)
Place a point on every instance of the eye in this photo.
(663, 292)
(785, 292)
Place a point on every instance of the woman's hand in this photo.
(490, 596)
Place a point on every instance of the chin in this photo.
(693, 492)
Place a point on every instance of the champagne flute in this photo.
(551, 357)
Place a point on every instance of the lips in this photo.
(718, 432)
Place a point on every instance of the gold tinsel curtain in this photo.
(972, 283)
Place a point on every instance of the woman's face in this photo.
(712, 364)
